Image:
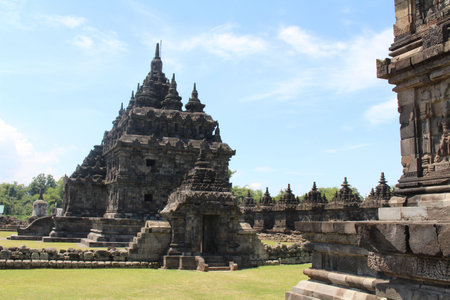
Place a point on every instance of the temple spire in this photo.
(157, 51)
(382, 179)
(194, 104)
(156, 65)
(172, 100)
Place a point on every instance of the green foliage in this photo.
(329, 192)
(18, 198)
(241, 192)
(41, 182)
(231, 173)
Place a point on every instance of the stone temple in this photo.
(128, 178)
(147, 153)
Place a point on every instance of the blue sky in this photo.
(292, 83)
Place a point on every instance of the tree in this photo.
(54, 195)
(241, 192)
(16, 199)
(41, 182)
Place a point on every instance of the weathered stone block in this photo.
(384, 237)
(5, 254)
(444, 238)
(102, 255)
(88, 256)
(423, 239)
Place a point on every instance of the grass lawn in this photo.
(273, 243)
(268, 282)
(37, 244)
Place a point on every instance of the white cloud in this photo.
(356, 67)
(287, 89)
(255, 185)
(11, 14)
(20, 160)
(94, 41)
(67, 21)
(222, 42)
(344, 66)
(305, 43)
(83, 42)
(382, 113)
(348, 148)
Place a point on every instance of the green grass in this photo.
(37, 244)
(273, 243)
(268, 282)
(5, 234)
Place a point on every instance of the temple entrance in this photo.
(210, 230)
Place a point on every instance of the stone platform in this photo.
(376, 259)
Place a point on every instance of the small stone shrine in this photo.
(406, 253)
(204, 217)
(40, 207)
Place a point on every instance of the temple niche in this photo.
(144, 157)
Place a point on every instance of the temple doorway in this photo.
(210, 232)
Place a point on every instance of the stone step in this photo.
(217, 264)
(61, 239)
(25, 237)
(217, 268)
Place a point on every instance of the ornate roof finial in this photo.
(156, 65)
(266, 199)
(345, 183)
(217, 137)
(382, 179)
(41, 197)
(172, 100)
(132, 94)
(194, 104)
(157, 51)
(314, 188)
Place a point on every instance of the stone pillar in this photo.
(178, 230)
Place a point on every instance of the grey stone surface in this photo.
(423, 239)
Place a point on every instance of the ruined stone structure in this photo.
(380, 196)
(270, 216)
(40, 207)
(205, 223)
(406, 254)
(128, 178)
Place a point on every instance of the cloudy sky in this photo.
(292, 83)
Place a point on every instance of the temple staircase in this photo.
(216, 263)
